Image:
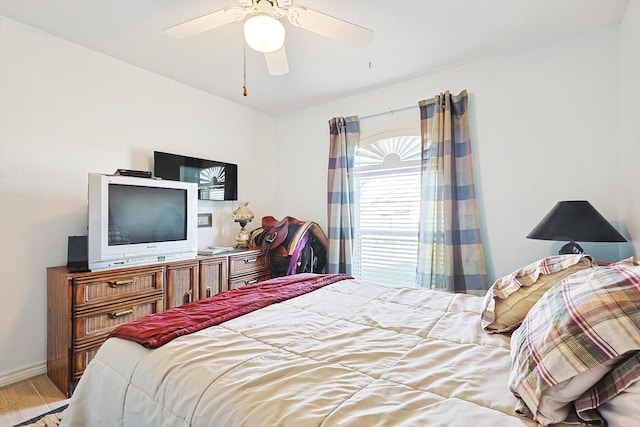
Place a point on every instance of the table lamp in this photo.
(242, 215)
(575, 220)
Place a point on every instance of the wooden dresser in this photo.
(82, 308)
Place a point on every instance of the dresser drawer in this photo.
(247, 262)
(97, 324)
(249, 279)
(81, 359)
(115, 285)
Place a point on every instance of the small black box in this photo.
(136, 173)
(77, 258)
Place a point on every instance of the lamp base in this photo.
(571, 248)
(243, 237)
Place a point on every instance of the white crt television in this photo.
(135, 221)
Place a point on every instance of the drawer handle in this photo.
(188, 297)
(248, 260)
(119, 283)
(117, 314)
(250, 282)
(208, 291)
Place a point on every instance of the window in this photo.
(387, 187)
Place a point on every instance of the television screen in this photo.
(140, 214)
(216, 180)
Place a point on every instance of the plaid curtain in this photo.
(450, 253)
(343, 141)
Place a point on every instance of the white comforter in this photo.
(349, 354)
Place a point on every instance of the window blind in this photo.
(387, 212)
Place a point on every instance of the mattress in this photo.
(347, 354)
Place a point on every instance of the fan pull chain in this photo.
(244, 63)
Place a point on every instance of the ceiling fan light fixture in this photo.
(264, 33)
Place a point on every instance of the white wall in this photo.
(544, 126)
(629, 113)
(66, 111)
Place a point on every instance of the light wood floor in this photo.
(27, 399)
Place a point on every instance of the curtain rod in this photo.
(388, 111)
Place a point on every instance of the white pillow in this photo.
(624, 409)
(555, 401)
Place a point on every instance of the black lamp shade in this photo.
(575, 220)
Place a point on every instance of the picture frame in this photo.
(205, 220)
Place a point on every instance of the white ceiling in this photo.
(412, 38)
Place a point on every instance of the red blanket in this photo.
(158, 329)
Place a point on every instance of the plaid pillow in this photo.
(511, 297)
(589, 319)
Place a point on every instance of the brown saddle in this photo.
(284, 242)
(274, 233)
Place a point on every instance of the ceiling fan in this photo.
(269, 11)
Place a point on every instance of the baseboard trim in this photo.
(23, 373)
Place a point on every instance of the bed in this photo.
(345, 353)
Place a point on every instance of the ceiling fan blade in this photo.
(207, 22)
(328, 26)
(277, 63)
